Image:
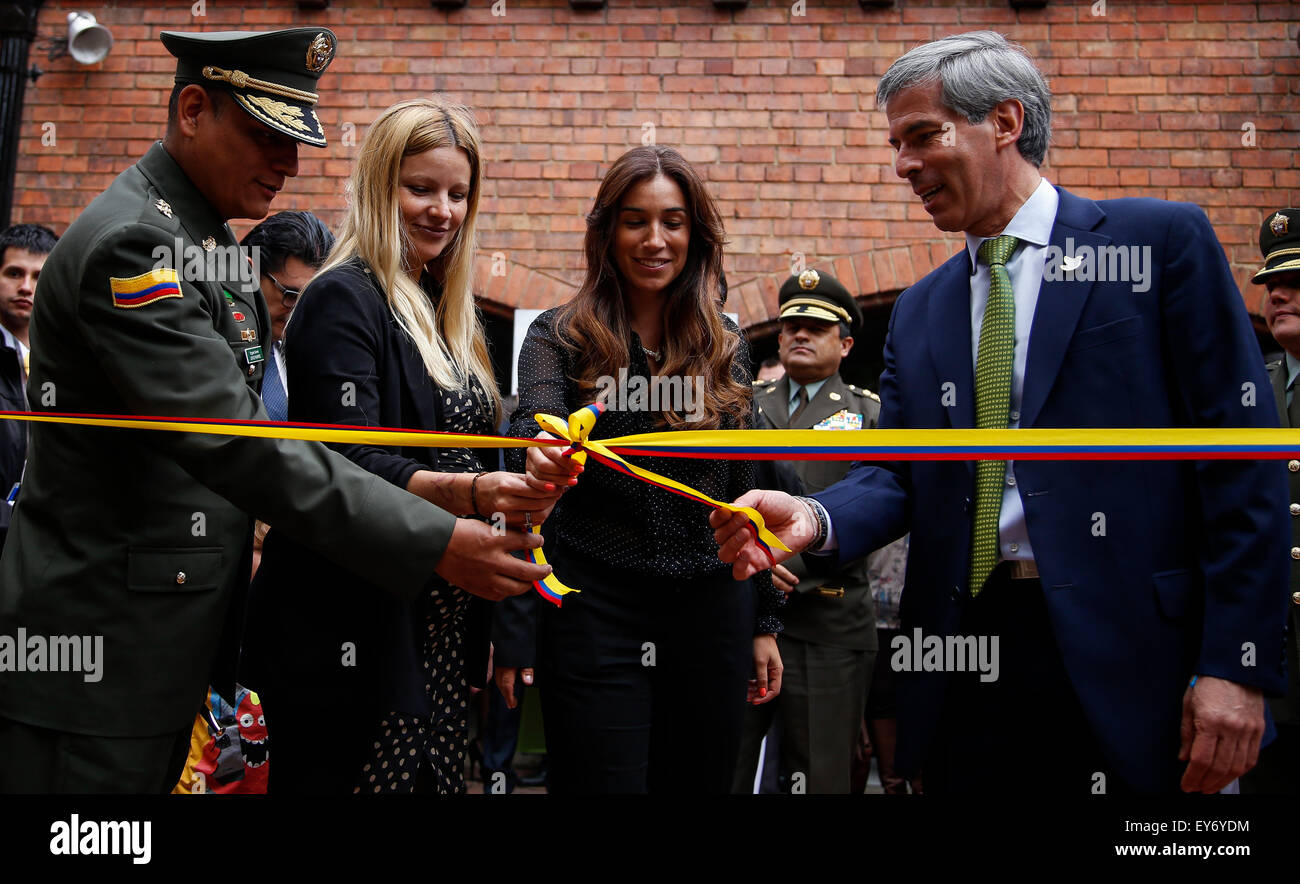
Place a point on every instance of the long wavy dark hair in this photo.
(594, 325)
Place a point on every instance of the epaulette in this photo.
(863, 391)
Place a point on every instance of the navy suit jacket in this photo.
(1190, 574)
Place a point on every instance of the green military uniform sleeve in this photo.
(165, 358)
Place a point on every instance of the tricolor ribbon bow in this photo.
(576, 431)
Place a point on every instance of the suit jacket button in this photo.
(180, 577)
(1293, 465)
(1295, 509)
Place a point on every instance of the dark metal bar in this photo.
(17, 30)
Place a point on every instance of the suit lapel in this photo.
(950, 343)
(417, 380)
(775, 402)
(1060, 302)
(414, 375)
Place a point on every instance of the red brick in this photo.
(777, 112)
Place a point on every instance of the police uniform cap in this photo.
(816, 295)
(271, 74)
(1279, 243)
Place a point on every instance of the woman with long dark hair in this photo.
(643, 673)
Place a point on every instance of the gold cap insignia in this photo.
(809, 279)
(209, 244)
(320, 53)
(1278, 224)
(163, 207)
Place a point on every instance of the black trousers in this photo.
(643, 680)
(37, 760)
(1025, 732)
(1278, 769)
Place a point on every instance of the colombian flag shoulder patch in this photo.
(139, 291)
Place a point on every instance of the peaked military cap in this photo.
(1279, 243)
(271, 74)
(816, 295)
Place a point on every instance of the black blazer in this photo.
(13, 434)
(317, 633)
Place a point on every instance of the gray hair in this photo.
(978, 70)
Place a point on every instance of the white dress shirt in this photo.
(1032, 225)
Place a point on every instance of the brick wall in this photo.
(774, 107)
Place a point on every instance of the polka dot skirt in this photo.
(404, 743)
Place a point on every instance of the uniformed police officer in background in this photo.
(829, 643)
(1278, 770)
(137, 544)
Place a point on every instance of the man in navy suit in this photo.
(1134, 610)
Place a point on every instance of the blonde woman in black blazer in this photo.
(363, 692)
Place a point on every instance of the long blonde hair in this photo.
(450, 339)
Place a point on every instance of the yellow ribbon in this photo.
(579, 426)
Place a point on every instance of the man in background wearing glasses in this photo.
(291, 247)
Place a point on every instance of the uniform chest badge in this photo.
(239, 317)
(253, 356)
(841, 420)
(248, 334)
(209, 244)
(162, 206)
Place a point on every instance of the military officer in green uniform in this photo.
(1278, 769)
(137, 544)
(829, 643)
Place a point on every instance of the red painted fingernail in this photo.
(550, 486)
(762, 692)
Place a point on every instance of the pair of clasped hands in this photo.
(478, 557)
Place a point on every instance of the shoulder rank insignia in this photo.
(163, 207)
(209, 243)
(138, 291)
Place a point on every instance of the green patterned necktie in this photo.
(992, 403)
